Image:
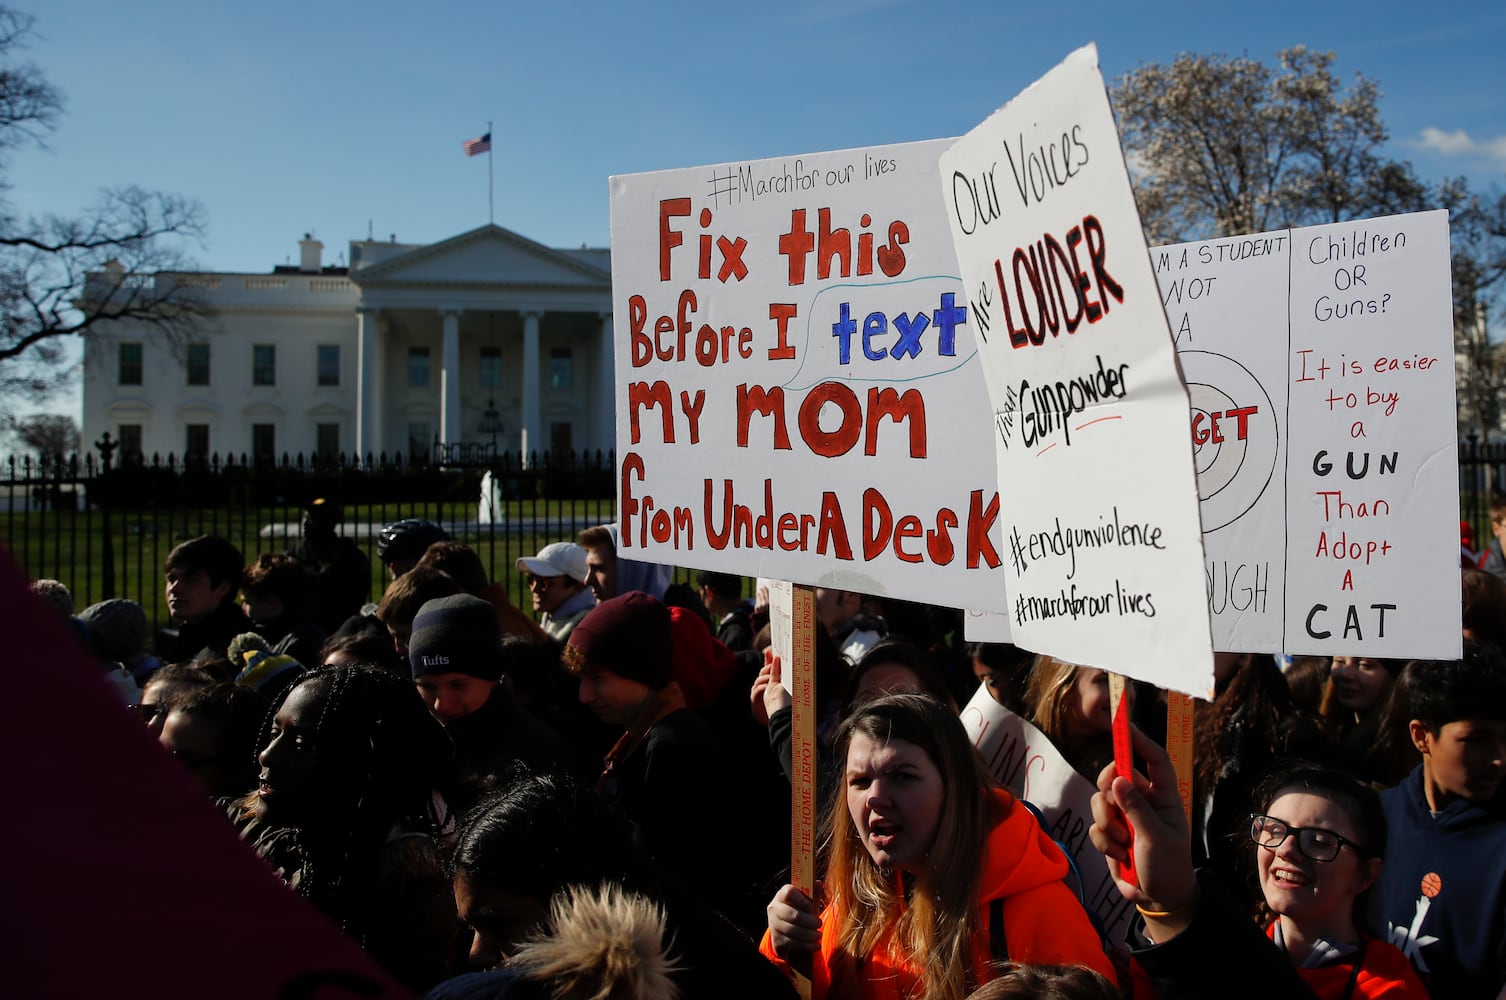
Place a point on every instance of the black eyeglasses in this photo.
(546, 581)
(149, 712)
(1314, 842)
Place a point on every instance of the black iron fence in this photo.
(1482, 476)
(104, 527)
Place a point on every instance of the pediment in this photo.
(198, 406)
(129, 406)
(489, 255)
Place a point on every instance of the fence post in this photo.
(107, 566)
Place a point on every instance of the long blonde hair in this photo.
(1049, 697)
(1053, 701)
(865, 903)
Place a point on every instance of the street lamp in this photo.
(491, 422)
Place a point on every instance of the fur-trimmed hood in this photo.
(602, 944)
(599, 944)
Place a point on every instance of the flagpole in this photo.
(490, 214)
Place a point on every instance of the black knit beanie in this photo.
(456, 635)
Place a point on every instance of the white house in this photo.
(487, 335)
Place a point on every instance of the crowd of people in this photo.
(593, 799)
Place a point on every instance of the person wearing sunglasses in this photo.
(166, 689)
(557, 584)
(1319, 836)
(213, 732)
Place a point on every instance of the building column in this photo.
(368, 407)
(532, 438)
(449, 379)
(606, 387)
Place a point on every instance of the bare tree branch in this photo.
(62, 277)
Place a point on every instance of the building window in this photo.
(491, 367)
(561, 440)
(129, 437)
(419, 439)
(561, 368)
(418, 367)
(263, 442)
(196, 442)
(329, 364)
(263, 364)
(327, 440)
(130, 364)
(198, 364)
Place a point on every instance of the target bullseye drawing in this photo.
(1233, 469)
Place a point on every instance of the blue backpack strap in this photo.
(1076, 872)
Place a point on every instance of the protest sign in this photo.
(1022, 759)
(1269, 329)
(1103, 549)
(1319, 363)
(795, 377)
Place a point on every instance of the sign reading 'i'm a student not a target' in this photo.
(1319, 363)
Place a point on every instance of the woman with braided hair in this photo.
(347, 810)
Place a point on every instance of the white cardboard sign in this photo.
(1320, 366)
(1022, 759)
(1327, 491)
(1099, 506)
(796, 385)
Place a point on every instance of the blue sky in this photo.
(282, 118)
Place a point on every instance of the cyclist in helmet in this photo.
(402, 543)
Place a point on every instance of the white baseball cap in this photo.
(556, 559)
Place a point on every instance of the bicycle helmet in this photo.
(407, 539)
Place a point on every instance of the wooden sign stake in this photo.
(1179, 745)
(803, 806)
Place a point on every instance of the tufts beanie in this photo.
(456, 635)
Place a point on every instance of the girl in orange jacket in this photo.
(933, 875)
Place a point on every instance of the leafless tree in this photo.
(47, 434)
(63, 277)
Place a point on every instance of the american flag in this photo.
(477, 146)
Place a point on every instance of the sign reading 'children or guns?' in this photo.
(1319, 363)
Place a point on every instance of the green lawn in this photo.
(71, 546)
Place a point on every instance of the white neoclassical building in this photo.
(485, 336)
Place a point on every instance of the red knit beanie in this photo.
(628, 635)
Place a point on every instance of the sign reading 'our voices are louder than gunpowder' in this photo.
(1103, 550)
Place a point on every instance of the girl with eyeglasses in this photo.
(1319, 838)
(1318, 835)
